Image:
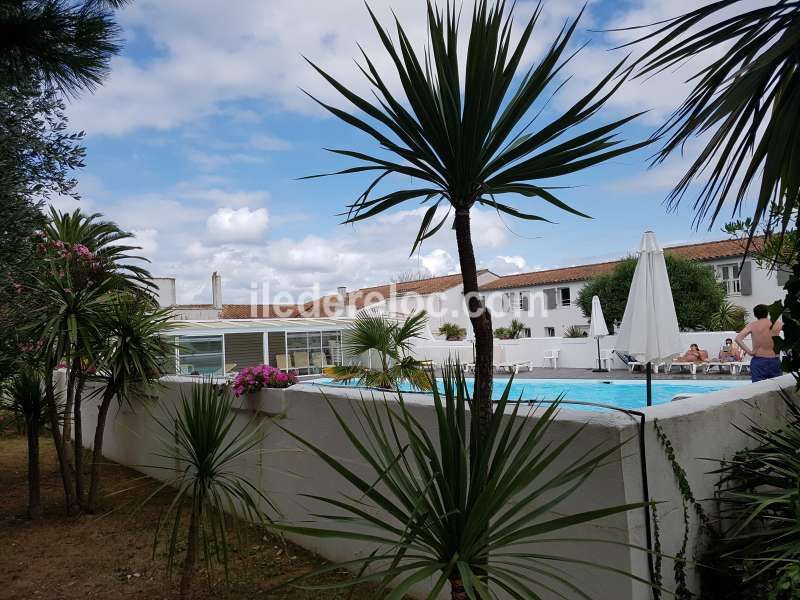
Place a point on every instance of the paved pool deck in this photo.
(620, 374)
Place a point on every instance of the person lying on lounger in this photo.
(693, 355)
(730, 352)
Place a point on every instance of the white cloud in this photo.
(439, 262)
(268, 142)
(210, 161)
(238, 225)
(147, 240)
(508, 265)
(211, 54)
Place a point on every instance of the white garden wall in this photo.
(700, 427)
(575, 353)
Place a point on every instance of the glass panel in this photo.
(315, 355)
(201, 355)
(297, 349)
(332, 347)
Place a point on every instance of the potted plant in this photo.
(452, 332)
(250, 382)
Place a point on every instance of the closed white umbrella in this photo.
(649, 329)
(597, 328)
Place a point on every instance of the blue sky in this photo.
(197, 139)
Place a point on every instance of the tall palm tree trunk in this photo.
(481, 322)
(97, 448)
(58, 442)
(457, 591)
(77, 439)
(34, 478)
(192, 543)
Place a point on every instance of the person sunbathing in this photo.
(730, 352)
(693, 355)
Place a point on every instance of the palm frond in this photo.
(747, 101)
(458, 517)
(467, 147)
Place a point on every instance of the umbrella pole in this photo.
(599, 369)
(649, 384)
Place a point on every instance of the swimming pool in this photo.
(629, 394)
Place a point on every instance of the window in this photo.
(310, 352)
(523, 302)
(526, 332)
(549, 332)
(730, 277)
(564, 296)
(200, 355)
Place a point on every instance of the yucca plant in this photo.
(206, 447)
(437, 507)
(392, 342)
(23, 396)
(471, 131)
(452, 331)
(574, 331)
(747, 98)
(136, 348)
(759, 503)
(729, 317)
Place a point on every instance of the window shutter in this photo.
(550, 297)
(782, 276)
(746, 279)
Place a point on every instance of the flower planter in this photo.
(269, 401)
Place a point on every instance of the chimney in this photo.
(342, 291)
(216, 290)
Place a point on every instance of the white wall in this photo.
(765, 288)
(698, 428)
(575, 353)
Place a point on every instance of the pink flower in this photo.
(57, 244)
(82, 251)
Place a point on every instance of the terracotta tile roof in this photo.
(262, 311)
(329, 305)
(701, 251)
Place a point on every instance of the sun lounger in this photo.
(300, 360)
(680, 364)
(721, 364)
(632, 363)
(319, 359)
(501, 364)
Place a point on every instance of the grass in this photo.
(109, 555)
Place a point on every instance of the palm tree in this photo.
(392, 341)
(469, 142)
(202, 442)
(135, 354)
(748, 100)
(66, 45)
(86, 262)
(450, 522)
(24, 396)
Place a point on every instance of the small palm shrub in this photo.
(202, 441)
(452, 331)
(392, 341)
(573, 331)
(460, 512)
(729, 317)
(759, 550)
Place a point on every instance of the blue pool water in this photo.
(630, 394)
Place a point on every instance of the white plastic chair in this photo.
(551, 355)
(606, 359)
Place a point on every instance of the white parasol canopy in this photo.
(597, 325)
(649, 329)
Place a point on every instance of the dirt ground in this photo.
(110, 555)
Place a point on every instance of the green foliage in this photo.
(696, 292)
(458, 512)
(760, 504)
(689, 504)
(202, 442)
(68, 45)
(468, 140)
(745, 101)
(789, 311)
(729, 317)
(37, 156)
(22, 396)
(452, 331)
(392, 341)
(512, 332)
(573, 331)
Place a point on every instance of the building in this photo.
(545, 301)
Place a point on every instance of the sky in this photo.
(198, 139)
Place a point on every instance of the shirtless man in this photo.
(765, 364)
